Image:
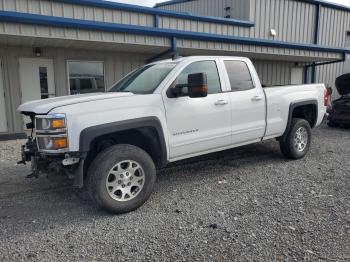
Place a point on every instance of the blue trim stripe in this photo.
(15, 17)
(155, 11)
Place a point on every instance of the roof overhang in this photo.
(51, 21)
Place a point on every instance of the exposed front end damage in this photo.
(52, 160)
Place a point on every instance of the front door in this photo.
(3, 120)
(36, 78)
(198, 124)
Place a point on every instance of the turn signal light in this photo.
(59, 142)
(326, 97)
(58, 123)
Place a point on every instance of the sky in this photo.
(152, 2)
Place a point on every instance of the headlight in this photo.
(46, 123)
(51, 133)
(50, 143)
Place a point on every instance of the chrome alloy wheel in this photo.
(301, 139)
(125, 180)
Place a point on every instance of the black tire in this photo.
(287, 142)
(99, 172)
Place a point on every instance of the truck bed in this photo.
(280, 98)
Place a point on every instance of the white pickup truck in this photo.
(162, 112)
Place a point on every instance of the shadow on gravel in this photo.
(267, 152)
(54, 202)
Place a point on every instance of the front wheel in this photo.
(296, 142)
(121, 178)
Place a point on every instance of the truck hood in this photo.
(46, 105)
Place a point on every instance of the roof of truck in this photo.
(180, 59)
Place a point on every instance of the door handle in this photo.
(221, 103)
(256, 98)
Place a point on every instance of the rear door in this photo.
(198, 125)
(247, 102)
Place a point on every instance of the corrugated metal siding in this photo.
(293, 54)
(200, 7)
(81, 35)
(273, 72)
(204, 27)
(334, 25)
(59, 9)
(108, 37)
(328, 73)
(239, 8)
(293, 20)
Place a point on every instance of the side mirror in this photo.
(197, 85)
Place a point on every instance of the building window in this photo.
(44, 86)
(86, 77)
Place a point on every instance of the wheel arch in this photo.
(148, 129)
(307, 110)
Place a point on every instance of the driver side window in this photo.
(207, 67)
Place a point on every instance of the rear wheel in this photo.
(121, 178)
(296, 142)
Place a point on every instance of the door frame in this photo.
(35, 57)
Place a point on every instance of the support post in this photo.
(313, 73)
(317, 23)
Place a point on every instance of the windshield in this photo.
(144, 80)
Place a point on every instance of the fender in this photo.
(292, 106)
(90, 133)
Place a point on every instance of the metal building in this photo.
(63, 47)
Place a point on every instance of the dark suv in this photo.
(339, 111)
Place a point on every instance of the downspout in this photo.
(173, 49)
(314, 65)
(170, 52)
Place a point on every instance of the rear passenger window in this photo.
(239, 75)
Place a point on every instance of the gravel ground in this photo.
(243, 204)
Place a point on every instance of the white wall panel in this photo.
(273, 72)
(239, 8)
(334, 25)
(293, 20)
(328, 73)
(59, 9)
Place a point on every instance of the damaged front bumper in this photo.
(69, 163)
